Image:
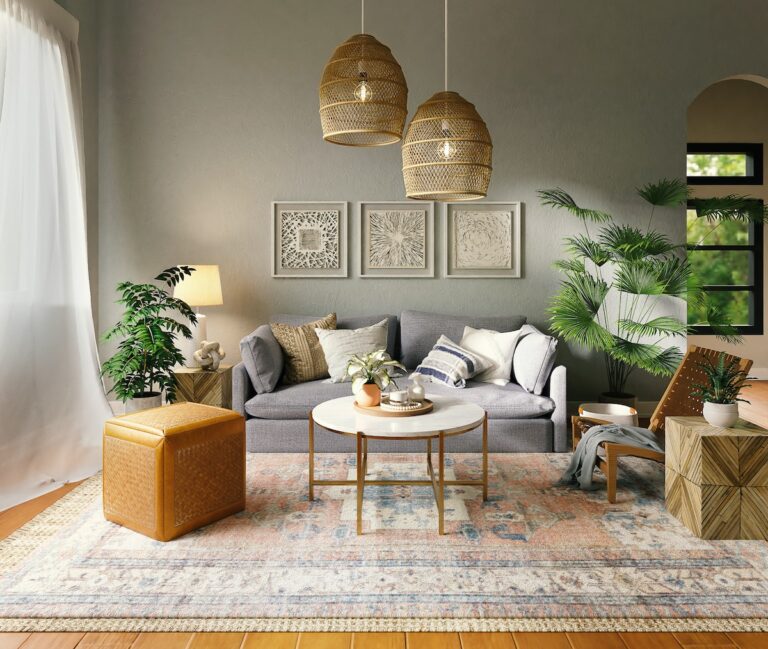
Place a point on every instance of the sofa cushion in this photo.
(340, 345)
(500, 402)
(420, 330)
(534, 359)
(304, 358)
(354, 322)
(450, 364)
(263, 359)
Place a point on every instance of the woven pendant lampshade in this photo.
(363, 94)
(447, 151)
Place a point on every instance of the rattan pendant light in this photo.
(447, 147)
(363, 95)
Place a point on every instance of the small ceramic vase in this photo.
(416, 391)
(369, 395)
(723, 415)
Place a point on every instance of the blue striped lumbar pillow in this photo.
(450, 364)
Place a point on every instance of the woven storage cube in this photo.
(170, 470)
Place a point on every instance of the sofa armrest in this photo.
(242, 388)
(556, 390)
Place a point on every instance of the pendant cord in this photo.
(445, 72)
(362, 16)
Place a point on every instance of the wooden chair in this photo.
(677, 400)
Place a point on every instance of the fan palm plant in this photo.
(614, 277)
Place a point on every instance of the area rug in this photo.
(536, 556)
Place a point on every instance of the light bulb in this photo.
(363, 91)
(446, 150)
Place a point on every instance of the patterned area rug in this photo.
(535, 557)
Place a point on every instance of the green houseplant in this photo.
(720, 392)
(616, 276)
(370, 374)
(142, 366)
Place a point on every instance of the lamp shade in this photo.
(447, 151)
(363, 94)
(201, 288)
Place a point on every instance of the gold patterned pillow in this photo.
(304, 357)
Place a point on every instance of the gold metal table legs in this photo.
(437, 482)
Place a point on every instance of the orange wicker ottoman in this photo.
(170, 470)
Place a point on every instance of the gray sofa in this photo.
(517, 421)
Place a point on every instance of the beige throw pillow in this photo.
(304, 357)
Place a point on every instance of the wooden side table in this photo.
(717, 478)
(213, 388)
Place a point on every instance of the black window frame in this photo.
(756, 287)
(754, 150)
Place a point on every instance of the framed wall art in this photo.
(483, 240)
(309, 239)
(397, 239)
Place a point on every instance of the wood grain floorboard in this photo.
(590, 640)
(107, 640)
(757, 410)
(649, 641)
(270, 641)
(12, 640)
(749, 640)
(378, 641)
(53, 640)
(541, 641)
(703, 639)
(216, 641)
(13, 518)
(162, 641)
(325, 641)
(487, 641)
(432, 641)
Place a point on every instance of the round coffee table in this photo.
(450, 417)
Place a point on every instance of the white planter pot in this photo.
(153, 400)
(723, 415)
(616, 413)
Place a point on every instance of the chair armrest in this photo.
(556, 390)
(242, 388)
(580, 425)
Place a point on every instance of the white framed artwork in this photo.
(397, 239)
(483, 240)
(309, 239)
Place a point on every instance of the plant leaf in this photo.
(730, 208)
(667, 192)
(560, 199)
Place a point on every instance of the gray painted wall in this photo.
(208, 111)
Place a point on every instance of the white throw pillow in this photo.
(339, 345)
(496, 346)
(534, 359)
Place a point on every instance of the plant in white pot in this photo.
(370, 374)
(143, 365)
(720, 393)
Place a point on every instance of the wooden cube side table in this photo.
(212, 388)
(717, 478)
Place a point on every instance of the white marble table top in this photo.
(450, 415)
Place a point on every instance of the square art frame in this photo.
(381, 223)
(483, 240)
(307, 241)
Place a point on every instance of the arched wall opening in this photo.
(735, 110)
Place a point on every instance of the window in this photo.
(725, 164)
(727, 259)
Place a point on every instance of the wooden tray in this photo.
(376, 411)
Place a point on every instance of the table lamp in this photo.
(201, 288)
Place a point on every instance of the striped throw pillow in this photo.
(450, 364)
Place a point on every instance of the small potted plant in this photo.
(370, 374)
(720, 393)
(142, 366)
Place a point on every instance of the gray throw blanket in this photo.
(585, 455)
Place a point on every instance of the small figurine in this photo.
(416, 391)
(210, 355)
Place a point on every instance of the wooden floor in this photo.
(13, 518)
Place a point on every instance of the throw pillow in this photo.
(534, 359)
(304, 358)
(451, 364)
(498, 347)
(339, 345)
(263, 359)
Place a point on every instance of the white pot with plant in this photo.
(370, 374)
(720, 392)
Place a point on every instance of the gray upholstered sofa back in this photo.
(420, 330)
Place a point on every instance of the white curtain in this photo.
(52, 405)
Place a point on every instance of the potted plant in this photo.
(370, 374)
(616, 276)
(142, 366)
(720, 393)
